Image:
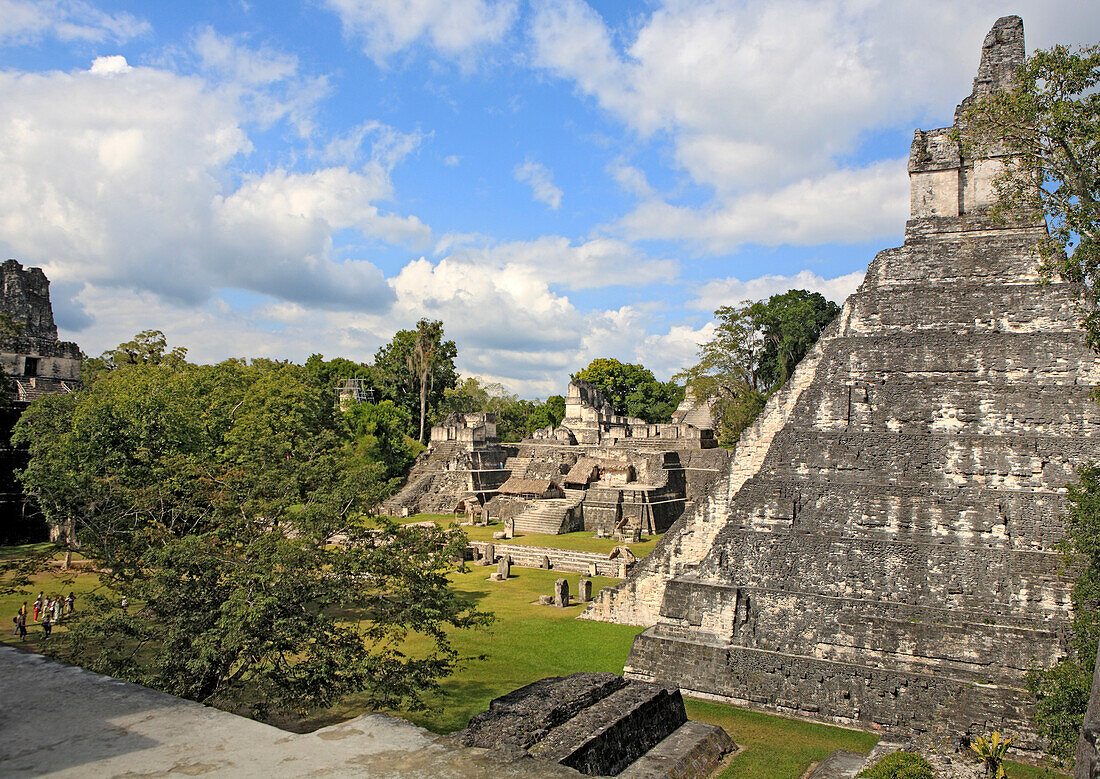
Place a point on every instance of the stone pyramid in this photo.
(882, 550)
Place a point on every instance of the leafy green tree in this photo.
(1062, 692)
(633, 389)
(416, 368)
(516, 418)
(1050, 125)
(379, 431)
(754, 350)
(225, 503)
(790, 324)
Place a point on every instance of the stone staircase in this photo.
(571, 560)
(601, 725)
(550, 516)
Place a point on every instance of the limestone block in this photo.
(561, 593)
(584, 590)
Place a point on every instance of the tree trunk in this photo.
(423, 404)
(68, 544)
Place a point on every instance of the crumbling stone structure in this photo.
(598, 471)
(882, 550)
(34, 363)
(601, 725)
(463, 465)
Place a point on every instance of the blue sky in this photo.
(556, 181)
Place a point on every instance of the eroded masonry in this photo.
(597, 471)
(881, 551)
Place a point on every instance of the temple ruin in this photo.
(34, 363)
(881, 552)
(598, 470)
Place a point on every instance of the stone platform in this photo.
(64, 721)
(601, 724)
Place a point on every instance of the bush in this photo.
(899, 765)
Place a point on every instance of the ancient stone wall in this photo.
(883, 550)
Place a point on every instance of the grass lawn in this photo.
(52, 582)
(581, 541)
(528, 642)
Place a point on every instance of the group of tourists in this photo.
(48, 611)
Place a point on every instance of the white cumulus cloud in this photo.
(541, 181)
(452, 27)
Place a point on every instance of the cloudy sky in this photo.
(556, 180)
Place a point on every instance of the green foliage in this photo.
(224, 502)
(1050, 122)
(415, 369)
(632, 389)
(378, 429)
(899, 765)
(516, 419)
(753, 352)
(992, 752)
(326, 373)
(789, 323)
(1062, 692)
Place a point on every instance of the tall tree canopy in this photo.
(755, 348)
(633, 389)
(1050, 123)
(225, 502)
(415, 369)
(516, 418)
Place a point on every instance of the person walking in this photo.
(38, 605)
(46, 624)
(58, 608)
(125, 603)
(70, 603)
(21, 624)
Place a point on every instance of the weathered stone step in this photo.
(944, 575)
(571, 560)
(525, 716)
(692, 751)
(803, 686)
(840, 764)
(612, 733)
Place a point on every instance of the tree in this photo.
(1062, 692)
(516, 419)
(225, 502)
(379, 431)
(753, 352)
(632, 389)
(789, 323)
(1049, 124)
(416, 368)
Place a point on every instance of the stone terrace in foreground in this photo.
(882, 551)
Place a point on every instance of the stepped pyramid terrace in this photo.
(881, 551)
(598, 470)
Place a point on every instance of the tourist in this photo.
(57, 609)
(46, 625)
(21, 624)
(70, 603)
(38, 605)
(125, 603)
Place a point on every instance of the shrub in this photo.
(899, 765)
